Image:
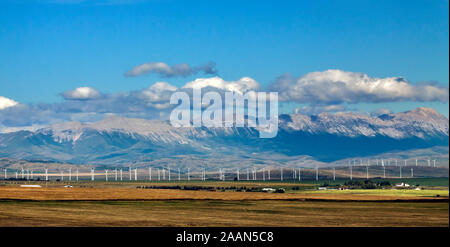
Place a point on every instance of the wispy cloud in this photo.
(166, 70)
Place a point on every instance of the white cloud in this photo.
(165, 70)
(81, 93)
(5, 103)
(241, 86)
(157, 96)
(337, 86)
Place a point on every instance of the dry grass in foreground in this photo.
(222, 213)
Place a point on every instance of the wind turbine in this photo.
(92, 174)
(300, 174)
(351, 171)
(150, 174)
(46, 174)
(6, 173)
(115, 174)
(281, 173)
(237, 174)
(367, 172)
(106, 175)
(129, 171)
(317, 173)
(135, 174)
(121, 173)
(168, 171)
(412, 173)
(334, 173)
(77, 174)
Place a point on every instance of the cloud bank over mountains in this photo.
(325, 91)
(337, 86)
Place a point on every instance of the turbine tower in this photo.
(168, 172)
(351, 171)
(367, 172)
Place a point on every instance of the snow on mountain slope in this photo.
(421, 123)
(325, 137)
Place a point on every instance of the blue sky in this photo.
(49, 47)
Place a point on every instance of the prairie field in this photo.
(113, 204)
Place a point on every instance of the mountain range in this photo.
(324, 137)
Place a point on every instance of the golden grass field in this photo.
(122, 204)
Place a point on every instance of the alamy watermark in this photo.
(250, 109)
